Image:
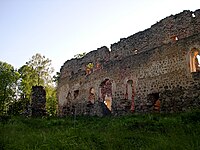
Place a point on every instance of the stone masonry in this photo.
(153, 70)
(38, 101)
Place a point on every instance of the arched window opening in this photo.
(106, 93)
(76, 92)
(195, 60)
(91, 95)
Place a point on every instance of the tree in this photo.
(51, 101)
(37, 71)
(42, 69)
(8, 85)
(56, 77)
(28, 78)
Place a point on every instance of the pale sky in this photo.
(60, 29)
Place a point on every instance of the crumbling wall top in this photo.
(77, 64)
(169, 29)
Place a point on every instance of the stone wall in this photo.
(167, 30)
(38, 101)
(76, 66)
(133, 80)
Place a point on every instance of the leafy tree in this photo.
(28, 79)
(51, 101)
(42, 69)
(37, 71)
(16, 107)
(8, 85)
(56, 77)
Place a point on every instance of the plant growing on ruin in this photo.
(90, 65)
(80, 55)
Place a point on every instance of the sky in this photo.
(60, 29)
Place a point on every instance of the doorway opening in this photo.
(106, 93)
(154, 99)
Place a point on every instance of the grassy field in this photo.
(149, 131)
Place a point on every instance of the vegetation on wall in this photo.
(80, 55)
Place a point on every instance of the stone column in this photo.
(38, 101)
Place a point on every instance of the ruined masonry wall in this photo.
(181, 26)
(178, 26)
(75, 65)
(161, 67)
(38, 101)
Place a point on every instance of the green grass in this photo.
(142, 132)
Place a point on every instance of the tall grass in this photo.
(150, 131)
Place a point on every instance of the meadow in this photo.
(131, 132)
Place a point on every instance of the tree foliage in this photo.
(28, 79)
(16, 86)
(37, 71)
(56, 77)
(42, 69)
(8, 85)
(51, 103)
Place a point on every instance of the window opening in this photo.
(108, 102)
(91, 95)
(194, 60)
(198, 63)
(106, 93)
(174, 38)
(76, 92)
(135, 51)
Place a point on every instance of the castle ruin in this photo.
(153, 70)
